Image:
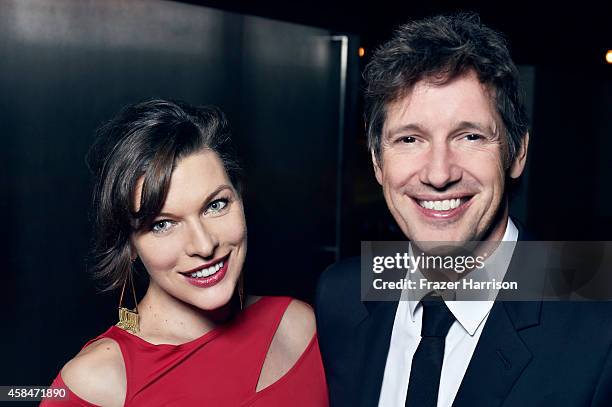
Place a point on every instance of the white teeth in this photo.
(207, 271)
(444, 205)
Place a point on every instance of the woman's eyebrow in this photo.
(205, 202)
(215, 192)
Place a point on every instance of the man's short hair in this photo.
(440, 49)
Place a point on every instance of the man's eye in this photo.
(216, 206)
(407, 139)
(161, 226)
(473, 137)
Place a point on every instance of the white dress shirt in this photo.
(459, 346)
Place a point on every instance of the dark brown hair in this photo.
(440, 49)
(146, 140)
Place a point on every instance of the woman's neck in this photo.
(166, 319)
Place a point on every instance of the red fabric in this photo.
(220, 368)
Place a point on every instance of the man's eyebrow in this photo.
(412, 127)
(208, 198)
(464, 125)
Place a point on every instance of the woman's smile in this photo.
(208, 274)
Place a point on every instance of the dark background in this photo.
(560, 48)
(67, 65)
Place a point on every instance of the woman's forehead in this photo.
(193, 178)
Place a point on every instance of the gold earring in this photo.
(129, 320)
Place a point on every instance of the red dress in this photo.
(220, 368)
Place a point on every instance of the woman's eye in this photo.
(161, 226)
(217, 206)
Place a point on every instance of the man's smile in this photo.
(449, 208)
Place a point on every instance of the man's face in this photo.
(442, 168)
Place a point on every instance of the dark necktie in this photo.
(427, 360)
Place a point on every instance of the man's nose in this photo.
(441, 168)
(201, 241)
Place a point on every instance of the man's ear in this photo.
(517, 167)
(377, 170)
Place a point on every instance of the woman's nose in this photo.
(201, 241)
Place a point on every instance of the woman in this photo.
(168, 202)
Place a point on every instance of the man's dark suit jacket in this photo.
(537, 353)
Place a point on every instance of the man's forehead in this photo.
(469, 104)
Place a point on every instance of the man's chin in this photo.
(441, 236)
(444, 244)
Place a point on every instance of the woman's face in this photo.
(195, 249)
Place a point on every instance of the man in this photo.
(448, 136)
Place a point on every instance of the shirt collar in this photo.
(470, 314)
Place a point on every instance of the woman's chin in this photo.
(216, 300)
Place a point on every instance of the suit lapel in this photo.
(375, 330)
(500, 356)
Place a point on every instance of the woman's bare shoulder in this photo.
(296, 329)
(97, 374)
(293, 335)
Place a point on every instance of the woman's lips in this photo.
(209, 281)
